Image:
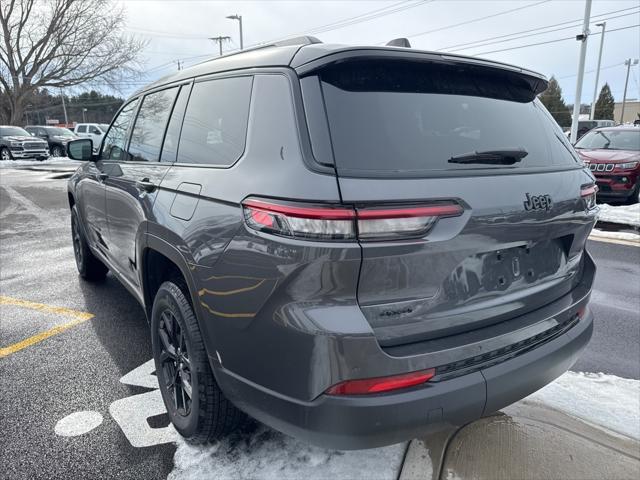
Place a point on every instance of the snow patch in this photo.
(624, 214)
(267, 454)
(605, 400)
(37, 163)
(632, 237)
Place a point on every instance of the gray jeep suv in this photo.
(353, 245)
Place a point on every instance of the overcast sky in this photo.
(179, 29)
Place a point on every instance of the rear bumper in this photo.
(353, 422)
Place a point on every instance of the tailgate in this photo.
(412, 133)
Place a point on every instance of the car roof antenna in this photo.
(399, 42)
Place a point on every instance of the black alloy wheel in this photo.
(176, 365)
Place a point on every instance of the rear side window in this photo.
(82, 129)
(114, 143)
(390, 118)
(215, 123)
(148, 131)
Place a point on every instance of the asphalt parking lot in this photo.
(78, 394)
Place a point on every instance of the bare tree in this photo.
(61, 43)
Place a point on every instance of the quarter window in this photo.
(148, 130)
(114, 143)
(215, 123)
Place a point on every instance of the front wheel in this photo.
(89, 266)
(635, 196)
(5, 154)
(196, 406)
(57, 151)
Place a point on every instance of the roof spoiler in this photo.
(399, 42)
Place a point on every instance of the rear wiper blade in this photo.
(507, 156)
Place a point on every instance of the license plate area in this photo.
(505, 269)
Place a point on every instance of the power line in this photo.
(485, 42)
(364, 17)
(590, 71)
(552, 41)
(474, 20)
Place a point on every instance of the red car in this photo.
(613, 155)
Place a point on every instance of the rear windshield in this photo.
(611, 140)
(399, 118)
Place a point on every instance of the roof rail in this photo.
(303, 40)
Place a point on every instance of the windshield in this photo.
(407, 119)
(13, 132)
(611, 140)
(60, 132)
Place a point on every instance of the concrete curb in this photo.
(525, 441)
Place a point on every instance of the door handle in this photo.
(146, 185)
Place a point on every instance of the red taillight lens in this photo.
(381, 384)
(300, 221)
(342, 223)
(588, 193)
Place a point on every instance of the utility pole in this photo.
(64, 108)
(583, 52)
(220, 40)
(239, 18)
(628, 63)
(595, 87)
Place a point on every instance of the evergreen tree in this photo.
(604, 104)
(552, 99)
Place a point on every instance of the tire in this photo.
(89, 267)
(57, 151)
(179, 354)
(5, 154)
(635, 196)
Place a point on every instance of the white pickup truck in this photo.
(94, 131)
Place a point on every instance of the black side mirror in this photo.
(81, 149)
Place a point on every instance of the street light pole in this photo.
(583, 52)
(595, 87)
(239, 18)
(220, 40)
(628, 63)
(84, 120)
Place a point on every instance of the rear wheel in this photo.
(5, 154)
(196, 406)
(89, 267)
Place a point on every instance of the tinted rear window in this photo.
(393, 117)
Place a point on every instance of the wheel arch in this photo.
(161, 261)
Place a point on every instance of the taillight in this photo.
(588, 194)
(388, 223)
(309, 221)
(300, 221)
(381, 384)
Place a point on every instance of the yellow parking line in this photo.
(77, 316)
